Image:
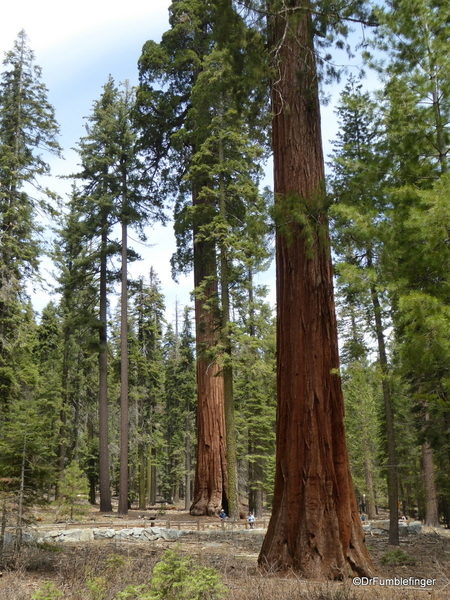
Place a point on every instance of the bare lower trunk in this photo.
(370, 498)
(152, 467)
(256, 492)
(429, 484)
(187, 495)
(234, 509)
(315, 526)
(124, 427)
(210, 473)
(104, 479)
(389, 415)
(142, 470)
(210, 484)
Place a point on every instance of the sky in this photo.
(78, 45)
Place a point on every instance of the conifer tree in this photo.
(171, 133)
(315, 526)
(421, 320)
(254, 369)
(147, 381)
(27, 130)
(358, 236)
(179, 391)
(113, 192)
(415, 40)
(30, 427)
(185, 124)
(80, 333)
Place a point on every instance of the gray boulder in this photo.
(103, 534)
(87, 535)
(171, 534)
(414, 528)
(71, 535)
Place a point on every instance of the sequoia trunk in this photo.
(315, 526)
(210, 484)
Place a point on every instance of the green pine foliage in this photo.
(422, 317)
(30, 419)
(28, 131)
(194, 137)
(414, 37)
(73, 491)
(180, 398)
(255, 394)
(146, 383)
(361, 387)
(47, 592)
(175, 577)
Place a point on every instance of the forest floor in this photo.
(92, 570)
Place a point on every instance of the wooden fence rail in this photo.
(199, 525)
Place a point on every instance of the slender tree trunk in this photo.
(429, 484)
(123, 478)
(210, 484)
(227, 370)
(153, 477)
(256, 468)
(104, 480)
(142, 469)
(2, 530)
(315, 526)
(149, 477)
(389, 415)
(187, 441)
(176, 492)
(18, 540)
(255, 476)
(62, 446)
(370, 498)
(91, 462)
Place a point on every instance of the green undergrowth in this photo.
(396, 558)
(174, 577)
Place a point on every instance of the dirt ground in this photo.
(234, 554)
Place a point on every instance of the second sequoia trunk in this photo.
(315, 526)
(210, 484)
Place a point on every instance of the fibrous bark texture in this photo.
(315, 526)
(210, 484)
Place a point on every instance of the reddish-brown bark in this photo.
(210, 483)
(315, 526)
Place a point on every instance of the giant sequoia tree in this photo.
(315, 526)
(171, 133)
(192, 130)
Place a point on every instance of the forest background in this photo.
(390, 234)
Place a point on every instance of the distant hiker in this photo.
(222, 514)
(251, 519)
(363, 517)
